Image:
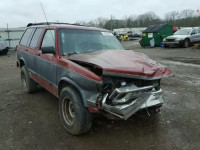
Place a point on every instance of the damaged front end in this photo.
(130, 81)
(126, 98)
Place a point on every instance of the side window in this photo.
(27, 36)
(194, 31)
(198, 30)
(36, 38)
(49, 39)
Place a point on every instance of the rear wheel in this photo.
(186, 43)
(75, 118)
(28, 84)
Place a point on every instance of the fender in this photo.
(71, 82)
(22, 59)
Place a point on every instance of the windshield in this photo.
(183, 32)
(74, 41)
(136, 31)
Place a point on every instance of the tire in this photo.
(5, 51)
(186, 43)
(154, 110)
(28, 84)
(75, 118)
(166, 46)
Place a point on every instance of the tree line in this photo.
(184, 18)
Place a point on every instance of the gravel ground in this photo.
(31, 121)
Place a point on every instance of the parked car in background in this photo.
(129, 33)
(136, 33)
(3, 47)
(183, 38)
(117, 36)
(89, 71)
(123, 33)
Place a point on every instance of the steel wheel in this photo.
(23, 79)
(68, 111)
(75, 118)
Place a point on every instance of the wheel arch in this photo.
(68, 82)
(22, 62)
(188, 39)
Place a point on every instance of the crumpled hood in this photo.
(177, 36)
(123, 62)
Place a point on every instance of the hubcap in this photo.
(23, 78)
(68, 111)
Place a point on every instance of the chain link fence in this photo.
(12, 36)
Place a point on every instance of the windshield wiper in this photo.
(72, 53)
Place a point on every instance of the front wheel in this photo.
(75, 118)
(186, 43)
(5, 51)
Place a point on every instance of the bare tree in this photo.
(188, 13)
(101, 22)
(185, 18)
(173, 15)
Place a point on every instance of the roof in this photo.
(63, 25)
(154, 28)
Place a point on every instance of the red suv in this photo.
(89, 71)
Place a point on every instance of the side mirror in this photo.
(48, 50)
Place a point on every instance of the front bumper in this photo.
(173, 44)
(124, 111)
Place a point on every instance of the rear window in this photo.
(27, 36)
(36, 38)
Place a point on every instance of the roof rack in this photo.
(49, 23)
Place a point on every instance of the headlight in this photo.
(123, 83)
(179, 39)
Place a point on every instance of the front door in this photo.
(194, 36)
(46, 68)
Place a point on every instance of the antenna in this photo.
(47, 22)
(44, 13)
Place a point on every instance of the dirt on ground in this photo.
(31, 121)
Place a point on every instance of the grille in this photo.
(170, 40)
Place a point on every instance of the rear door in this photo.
(25, 52)
(33, 48)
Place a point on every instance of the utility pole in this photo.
(8, 35)
(111, 23)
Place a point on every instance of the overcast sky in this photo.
(19, 13)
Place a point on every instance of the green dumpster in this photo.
(154, 34)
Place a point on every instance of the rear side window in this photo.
(26, 37)
(36, 38)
